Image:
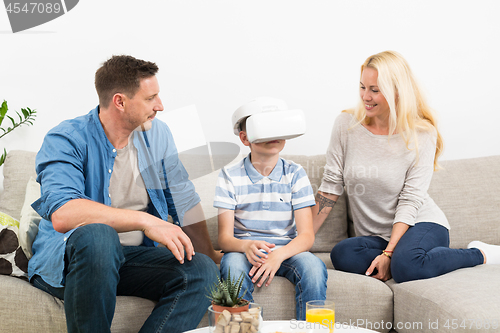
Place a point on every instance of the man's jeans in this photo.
(306, 271)
(423, 252)
(98, 269)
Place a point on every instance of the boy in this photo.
(264, 201)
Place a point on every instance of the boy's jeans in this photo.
(306, 271)
(99, 268)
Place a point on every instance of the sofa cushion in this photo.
(19, 166)
(468, 193)
(46, 313)
(334, 229)
(359, 300)
(13, 261)
(28, 225)
(463, 300)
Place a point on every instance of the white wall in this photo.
(219, 54)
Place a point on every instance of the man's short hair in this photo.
(121, 74)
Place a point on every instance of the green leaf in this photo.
(3, 111)
(25, 112)
(11, 119)
(4, 155)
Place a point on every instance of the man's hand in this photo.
(267, 270)
(383, 265)
(78, 212)
(253, 253)
(171, 236)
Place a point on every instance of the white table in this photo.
(296, 326)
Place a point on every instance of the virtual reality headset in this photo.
(269, 119)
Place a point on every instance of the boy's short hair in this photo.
(243, 125)
(121, 74)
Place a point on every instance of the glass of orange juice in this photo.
(321, 314)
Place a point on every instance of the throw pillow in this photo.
(13, 261)
(28, 224)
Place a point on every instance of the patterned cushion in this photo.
(28, 225)
(13, 261)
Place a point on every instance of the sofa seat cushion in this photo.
(466, 300)
(325, 257)
(359, 300)
(24, 308)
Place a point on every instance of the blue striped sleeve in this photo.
(224, 192)
(302, 192)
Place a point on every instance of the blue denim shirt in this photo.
(76, 162)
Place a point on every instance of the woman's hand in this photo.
(382, 262)
(383, 265)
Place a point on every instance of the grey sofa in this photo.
(467, 300)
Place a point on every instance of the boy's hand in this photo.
(266, 270)
(253, 253)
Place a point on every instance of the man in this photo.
(109, 180)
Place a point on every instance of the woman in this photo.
(383, 154)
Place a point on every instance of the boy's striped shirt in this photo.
(263, 206)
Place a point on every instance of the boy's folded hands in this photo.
(265, 262)
(267, 270)
(257, 251)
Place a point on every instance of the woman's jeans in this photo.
(306, 271)
(98, 269)
(423, 252)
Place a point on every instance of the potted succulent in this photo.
(26, 117)
(225, 295)
(229, 312)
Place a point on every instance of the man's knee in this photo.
(96, 234)
(206, 267)
(98, 242)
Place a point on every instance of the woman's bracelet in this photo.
(386, 253)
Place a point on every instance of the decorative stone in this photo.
(242, 322)
(224, 318)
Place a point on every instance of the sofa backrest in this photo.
(19, 166)
(468, 191)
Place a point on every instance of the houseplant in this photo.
(224, 294)
(229, 312)
(26, 117)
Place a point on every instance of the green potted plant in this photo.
(229, 312)
(225, 295)
(26, 117)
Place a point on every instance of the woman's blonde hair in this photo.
(409, 111)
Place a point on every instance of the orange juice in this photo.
(323, 317)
